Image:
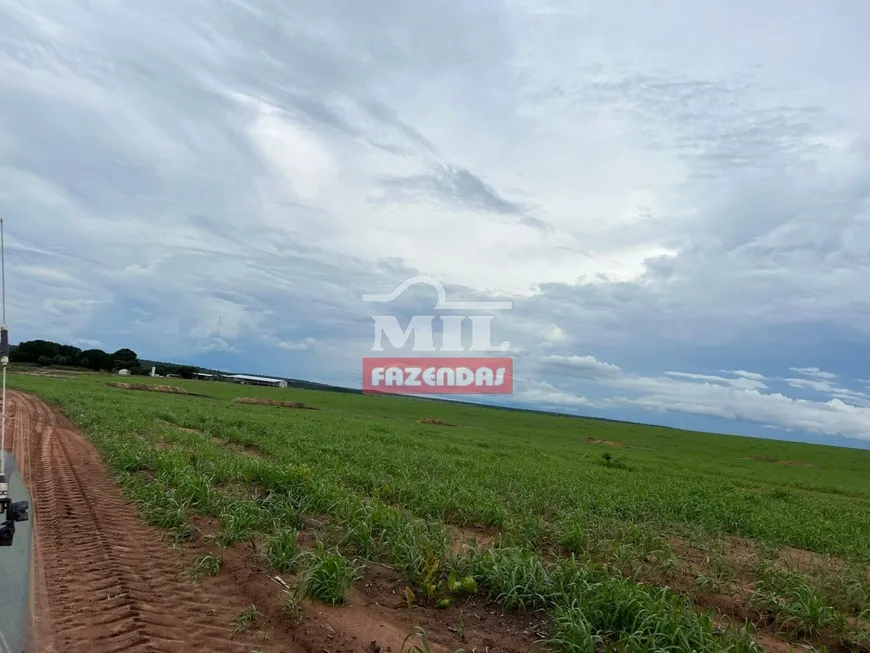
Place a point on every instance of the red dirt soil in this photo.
(775, 461)
(605, 443)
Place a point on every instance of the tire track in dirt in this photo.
(17, 428)
(114, 584)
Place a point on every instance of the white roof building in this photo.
(247, 379)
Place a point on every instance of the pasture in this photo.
(609, 535)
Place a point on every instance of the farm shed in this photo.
(245, 379)
(124, 372)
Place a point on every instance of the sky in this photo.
(675, 196)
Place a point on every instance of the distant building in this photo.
(203, 376)
(124, 372)
(245, 379)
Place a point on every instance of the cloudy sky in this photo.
(675, 195)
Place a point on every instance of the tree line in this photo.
(46, 352)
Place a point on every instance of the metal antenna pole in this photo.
(16, 511)
(4, 351)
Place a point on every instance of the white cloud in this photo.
(833, 417)
(814, 373)
(811, 384)
(296, 153)
(846, 413)
(557, 336)
(219, 344)
(581, 366)
(289, 345)
(88, 344)
(755, 376)
(740, 382)
(543, 393)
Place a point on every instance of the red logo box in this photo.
(439, 376)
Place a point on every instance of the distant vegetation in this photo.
(46, 352)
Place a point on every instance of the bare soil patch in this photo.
(181, 428)
(433, 420)
(776, 461)
(376, 616)
(605, 443)
(243, 449)
(55, 373)
(149, 387)
(47, 375)
(730, 602)
(272, 402)
(740, 553)
(462, 539)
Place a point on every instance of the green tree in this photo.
(95, 359)
(125, 355)
(71, 353)
(187, 371)
(125, 359)
(31, 351)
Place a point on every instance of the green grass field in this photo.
(618, 531)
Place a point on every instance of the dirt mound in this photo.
(171, 389)
(605, 443)
(54, 372)
(432, 420)
(776, 461)
(272, 402)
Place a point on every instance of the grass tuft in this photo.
(329, 576)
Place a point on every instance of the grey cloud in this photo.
(383, 113)
(460, 188)
(312, 111)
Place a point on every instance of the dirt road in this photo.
(104, 581)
